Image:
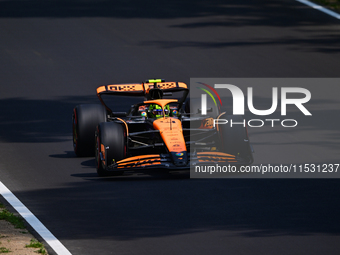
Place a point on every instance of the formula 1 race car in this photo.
(163, 131)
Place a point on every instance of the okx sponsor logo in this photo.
(296, 97)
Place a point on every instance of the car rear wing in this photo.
(141, 89)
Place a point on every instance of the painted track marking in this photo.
(49, 238)
(320, 8)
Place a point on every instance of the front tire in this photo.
(110, 147)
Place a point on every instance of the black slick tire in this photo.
(110, 147)
(85, 118)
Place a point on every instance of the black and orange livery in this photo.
(137, 140)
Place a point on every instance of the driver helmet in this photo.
(156, 111)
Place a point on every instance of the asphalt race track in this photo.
(54, 54)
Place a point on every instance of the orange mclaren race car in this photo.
(159, 132)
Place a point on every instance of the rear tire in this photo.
(110, 147)
(85, 119)
(234, 140)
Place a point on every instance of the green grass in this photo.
(36, 244)
(10, 217)
(332, 4)
(4, 250)
(42, 251)
(18, 222)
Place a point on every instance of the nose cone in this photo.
(180, 159)
(171, 132)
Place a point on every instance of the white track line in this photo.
(320, 8)
(50, 239)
